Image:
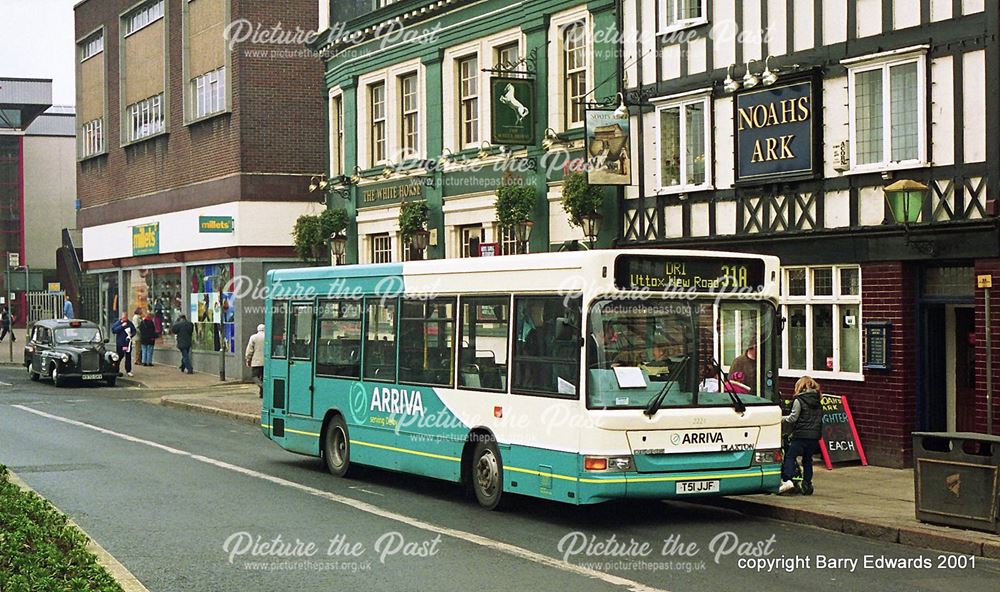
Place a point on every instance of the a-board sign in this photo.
(840, 441)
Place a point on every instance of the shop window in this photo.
(426, 336)
(547, 346)
(212, 307)
(887, 106)
(482, 359)
(157, 292)
(822, 310)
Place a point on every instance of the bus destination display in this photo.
(697, 274)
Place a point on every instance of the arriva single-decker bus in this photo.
(580, 377)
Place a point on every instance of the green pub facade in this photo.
(443, 101)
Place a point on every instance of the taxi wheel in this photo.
(31, 372)
(487, 474)
(57, 380)
(337, 447)
(111, 381)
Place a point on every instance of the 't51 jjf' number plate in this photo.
(697, 487)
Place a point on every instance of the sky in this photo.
(37, 41)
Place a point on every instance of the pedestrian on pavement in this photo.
(183, 329)
(136, 320)
(68, 307)
(805, 425)
(124, 331)
(6, 322)
(255, 358)
(147, 339)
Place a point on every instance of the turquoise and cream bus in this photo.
(580, 377)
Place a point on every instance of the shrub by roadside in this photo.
(40, 550)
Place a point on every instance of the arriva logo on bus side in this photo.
(396, 401)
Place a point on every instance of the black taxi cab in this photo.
(65, 350)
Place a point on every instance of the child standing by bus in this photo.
(805, 423)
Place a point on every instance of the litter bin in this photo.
(956, 478)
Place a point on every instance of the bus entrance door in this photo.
(300, 360)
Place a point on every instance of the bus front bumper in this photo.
(595, 488)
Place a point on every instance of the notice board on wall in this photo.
(840, 441)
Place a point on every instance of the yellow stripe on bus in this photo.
(539, 473)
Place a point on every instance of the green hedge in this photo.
(40, 550)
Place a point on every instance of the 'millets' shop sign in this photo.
(776, 132)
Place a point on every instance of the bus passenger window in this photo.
(547, 345)
(302, 320)
(338, 345)
(380, 340)
(482, 361)
(426, 337)
(279, 312)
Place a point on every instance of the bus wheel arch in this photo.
(482, 468)
(335, 443)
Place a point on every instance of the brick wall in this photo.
(884, 405)
(984, 267)
(276, 125)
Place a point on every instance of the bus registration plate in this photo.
(684, 487)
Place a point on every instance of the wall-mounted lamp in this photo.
(769, 76)
(484, 150)
(387, 170)
(318, 183)
(356, 177)
(621, 112)
(550, 139)
(446, 156)
(730, 85)
(750, 79)
(905, 200)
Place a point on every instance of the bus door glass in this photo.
(300, 358)
(276, 365)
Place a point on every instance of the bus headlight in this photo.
(767, 457)
(608, 464)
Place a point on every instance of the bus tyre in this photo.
(487, 474)
(337, 447)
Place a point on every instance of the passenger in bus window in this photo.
(744, 368)
(710, 384)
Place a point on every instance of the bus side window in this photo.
(426, 335)
(482, 362)
(338, 348)
(380, 339)
(547, 345)
(279, 311)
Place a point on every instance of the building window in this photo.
(468, 95)
(508, 240)
(384, 3)
(822, 306)
(337, 136)
(507, 56)
(471, 236)
(409, 115)
(209, 92)
(376, 95)
(92, 138)
(678, 14)
(575, 60)
(684, 143)
(887, 103)
(92, 46)
(143, 17)
(381, 248)
(144, 119)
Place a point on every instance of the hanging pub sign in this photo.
(512, 101)
(607, 144)
(777, 132)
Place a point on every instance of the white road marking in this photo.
(355, 487)
(5, 384)
(468, 537)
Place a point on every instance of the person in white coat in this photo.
(255, 358)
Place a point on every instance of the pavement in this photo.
(867, 501)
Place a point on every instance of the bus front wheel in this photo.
(487, 474)
(337, 447)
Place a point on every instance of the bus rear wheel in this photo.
(337, 447)
(487, 474)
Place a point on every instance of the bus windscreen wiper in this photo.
(654, 404)
(727, 386)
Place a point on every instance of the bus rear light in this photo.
(767, 457)
(608, 463)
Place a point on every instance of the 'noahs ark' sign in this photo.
(776, 133)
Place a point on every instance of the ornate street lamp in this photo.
(419, 239)
(522, 232)
(591, 224)
(338, 248)
(905, 199)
